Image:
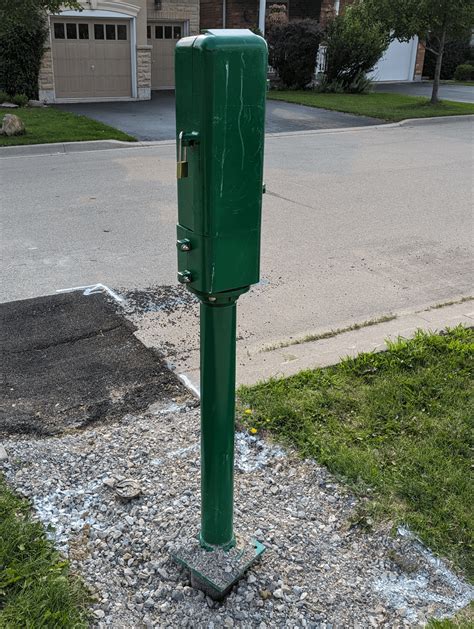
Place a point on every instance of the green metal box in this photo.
(220, 124)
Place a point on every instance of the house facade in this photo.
(124, 49)
(114, 49)
(402, 61)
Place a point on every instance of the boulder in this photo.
(12, 125)
(9, 105)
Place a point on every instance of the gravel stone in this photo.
(323, 571)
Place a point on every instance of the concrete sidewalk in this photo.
(257, 361)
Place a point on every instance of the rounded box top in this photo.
(233, 38)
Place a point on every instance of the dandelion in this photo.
(248, 411)
(253, 431)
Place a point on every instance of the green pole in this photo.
(218, 326)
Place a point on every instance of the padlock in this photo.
(182, 164)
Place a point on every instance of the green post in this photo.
(220, 132)
(218, 323)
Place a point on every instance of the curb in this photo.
(257, 365)
(61, 148)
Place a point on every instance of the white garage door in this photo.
(91, 58)
(163, 38)
(397, 63)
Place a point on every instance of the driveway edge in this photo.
(26, 150)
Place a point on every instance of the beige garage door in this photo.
(163, 38)
(91, 58)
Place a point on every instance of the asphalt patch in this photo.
(70, 360)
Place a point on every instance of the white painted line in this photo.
(93, 289)
(189, 385)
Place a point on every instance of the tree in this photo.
(23, 30)
(435, 22)
(292, 50)
(354, 44)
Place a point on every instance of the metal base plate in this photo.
(216, 571)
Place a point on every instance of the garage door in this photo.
(397, 63)
(163, 38)
(91, 58)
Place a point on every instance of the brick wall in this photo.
(178, 10)
(420, 60)
(300, 9)
(211, 14)
(244, 13)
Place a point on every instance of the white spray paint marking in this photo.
(225, 125)
(182, 452)
(189, 385)
(93, 289)
(406, 591)
(252, 453)
(50, 508)
(242, 109)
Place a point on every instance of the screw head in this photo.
(184, 245)
(212, 298)
(185, 277)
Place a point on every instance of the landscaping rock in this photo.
(9, 105)
(36, 103)
(3, 453)
(12, 125)
(319, 570)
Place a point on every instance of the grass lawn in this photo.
(397, 423)
(392, 107)
(36, 589)
(52, 125)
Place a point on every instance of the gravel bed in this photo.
(318, 570)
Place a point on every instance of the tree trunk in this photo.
(439, 61)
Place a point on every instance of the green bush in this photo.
(464, 72)
(455, 53)
(20, 99)
(354, 45)
(292, 51)
(4, 98)
(23, 31)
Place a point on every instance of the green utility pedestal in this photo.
(220, 118)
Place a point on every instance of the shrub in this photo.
(464, 72)
(455, 53)
(292, 51)
(4, 98)
(354, 44)
(20, 99)
(22, 35)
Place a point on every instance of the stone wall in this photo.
(176, 10)
(46, 76)
(144, 72)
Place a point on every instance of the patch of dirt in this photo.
(70, 360)
(160, 299)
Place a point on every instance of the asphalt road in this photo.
(355, 224)
(155, 119)
(448, 91)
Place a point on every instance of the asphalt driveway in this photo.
(155, 119)
(448, 91)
